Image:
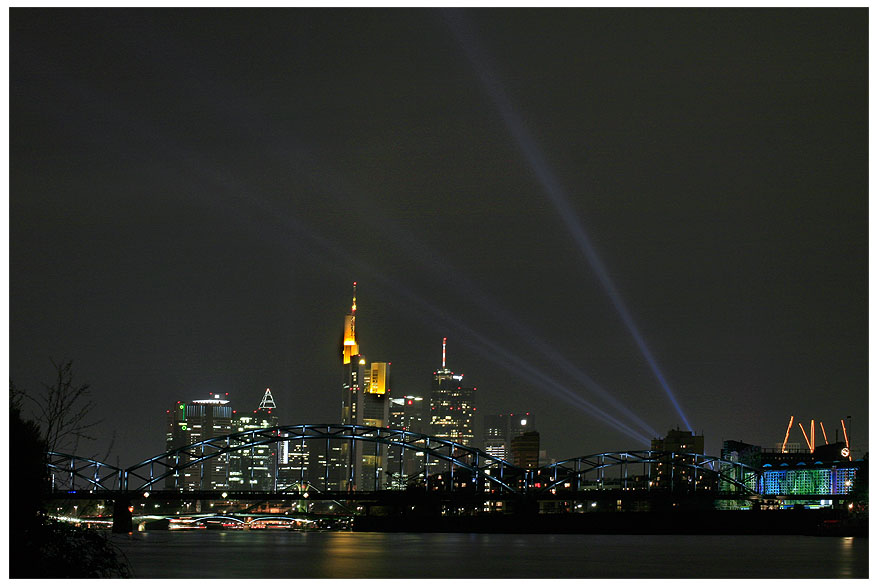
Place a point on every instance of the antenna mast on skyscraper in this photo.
(444, 352)
(354, 299)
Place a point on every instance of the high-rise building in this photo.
(254, 468)
(499, 431)
(526, 449)
(452, 407)
(350, 348)
(495, 435)
(365, 395)
(191, 423)
(405, 413)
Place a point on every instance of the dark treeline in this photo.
(39, 546)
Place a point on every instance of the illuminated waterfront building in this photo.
(191, 423)
(452, 407)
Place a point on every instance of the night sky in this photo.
(585, 202)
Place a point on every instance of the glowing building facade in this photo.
(255, 468)
(365, 401)
(500, 430)
(191, 423)
(452, 406)
(405, 413)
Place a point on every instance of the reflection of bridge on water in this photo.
(420, 472)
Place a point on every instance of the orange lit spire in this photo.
(444, 352)
(349, 338)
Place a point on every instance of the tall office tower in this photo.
(452, 408)
(404, 413)
(350, 348)
(496, 433)
(375, 406)
(365, 393)
(526, 449)
(521, 423)
(407, 413)
(191, 423)
(500, 430)
(254, 468)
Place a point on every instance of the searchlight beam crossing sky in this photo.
(552, 188)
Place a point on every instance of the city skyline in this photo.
(625, 221)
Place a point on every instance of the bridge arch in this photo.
(478, 463)
(654, 467)
(70, 472)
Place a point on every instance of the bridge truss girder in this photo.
(512, 480)
(146, 474)
(576, 471)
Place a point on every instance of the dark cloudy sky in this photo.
(193, 192)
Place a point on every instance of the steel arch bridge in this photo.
(608, 470)
(72, 472)
(663, 468)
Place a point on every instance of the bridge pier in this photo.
(122, 515)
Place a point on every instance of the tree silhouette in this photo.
(63, 409)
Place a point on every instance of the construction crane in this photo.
(810, 436)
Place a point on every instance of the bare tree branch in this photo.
(63, 408)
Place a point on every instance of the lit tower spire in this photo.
(268, 402)
(349, 338)
(444, 352)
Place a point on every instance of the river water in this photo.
(285, 554)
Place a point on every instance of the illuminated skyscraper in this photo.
(365, 398)
(405, 413)
(254, 468)
(350, 348)
(499, 432)
(452, 409)
(190, 424)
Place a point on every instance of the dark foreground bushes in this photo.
(53, 549)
